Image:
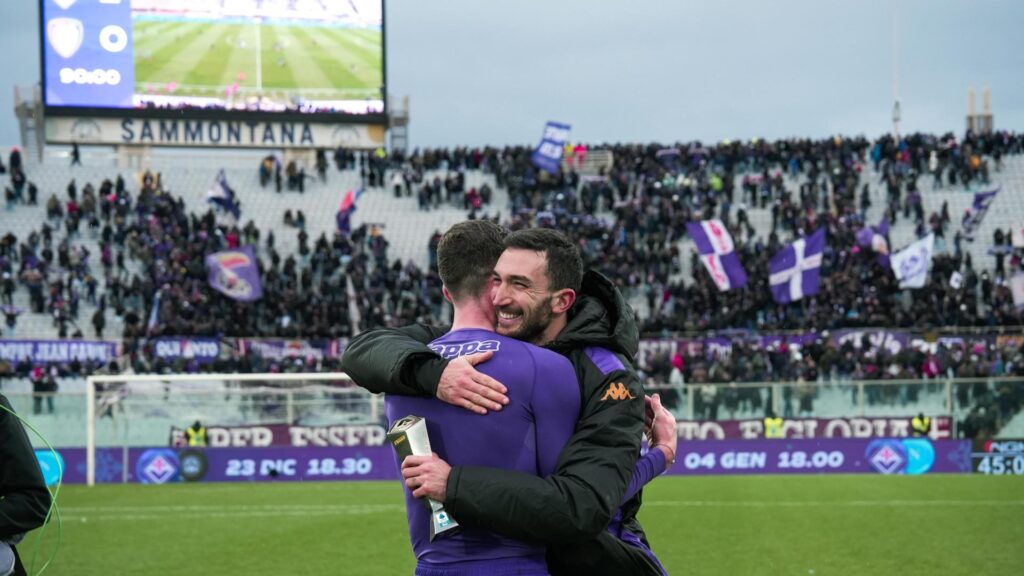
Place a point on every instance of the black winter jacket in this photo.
(579, 500)
(24, 499)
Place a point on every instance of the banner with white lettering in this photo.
(281, 349)
(721, 344)
(891, 341)
(203, 350)
(285, 435)
(896, 427)
(212, 133)
(58, 351)
(548, 154)
(903, 456)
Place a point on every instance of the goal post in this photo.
(145, 409)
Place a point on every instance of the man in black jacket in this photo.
(24, 499)
(576, 510)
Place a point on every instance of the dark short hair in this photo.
(466, 256)
(565, 265)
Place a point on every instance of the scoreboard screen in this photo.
(322, 58)
(998, 457)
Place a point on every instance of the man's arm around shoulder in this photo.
(395, 360)
(594, 470)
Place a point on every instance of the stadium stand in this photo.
(627, 208)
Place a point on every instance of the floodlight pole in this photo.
(896, 113)
(398, 122)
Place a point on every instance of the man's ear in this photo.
(447, 296)
(563, 300)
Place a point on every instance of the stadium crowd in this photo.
(626, 219)
(651, 192)
(706, 374)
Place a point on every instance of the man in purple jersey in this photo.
(526, 437)
(536, 281)
(613, 550)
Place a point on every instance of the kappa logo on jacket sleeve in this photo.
(617, 391)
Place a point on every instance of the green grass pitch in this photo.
(803, 525)
(203, 59)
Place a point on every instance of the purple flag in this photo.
(796, 269)
(548, 154)
(875, 239)
(972, 221)
(343, 219)
(343, 222)
(718, 254)
(220, 194)
(234, 273)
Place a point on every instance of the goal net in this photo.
(236, 410)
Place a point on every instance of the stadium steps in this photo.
(1014, 428)
(597, 161)
(407, 229)
(834, 401)
(189, 176)
(52, 179)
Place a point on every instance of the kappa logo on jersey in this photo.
(617, 391)
(449, 351)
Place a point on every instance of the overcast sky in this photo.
(490, 72)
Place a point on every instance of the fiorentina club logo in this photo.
(159, 470)
(157, 466)
(886, 456)
(228, 278)
(65, 35)
(914, 264)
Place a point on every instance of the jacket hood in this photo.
(600, 317)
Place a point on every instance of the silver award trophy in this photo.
(409, 437)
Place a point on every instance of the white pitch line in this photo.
(246, 513)
(220, 507)
(157, 513)
(270, 510)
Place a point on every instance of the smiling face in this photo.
(522, 297)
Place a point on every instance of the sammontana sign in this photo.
(212, 133)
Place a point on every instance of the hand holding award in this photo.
(409, 437)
